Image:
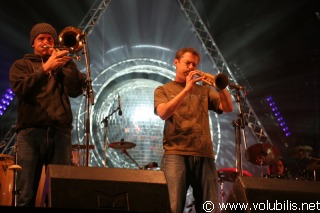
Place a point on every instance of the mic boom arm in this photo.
(119, 105)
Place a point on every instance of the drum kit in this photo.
(123, 146)
(78, 155)
(8, 169)
(265, 154)
(302, 154)
(8, 172)
(229, 175)
(262, 154)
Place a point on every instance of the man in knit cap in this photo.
(42, 28)
(43, 82)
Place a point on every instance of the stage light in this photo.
(277, 114)
(6, 100)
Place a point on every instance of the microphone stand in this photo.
(106, 122)
(239, 126)
(89, 99)
(135, 162)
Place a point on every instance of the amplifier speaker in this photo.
(116, 189)
(269, 194)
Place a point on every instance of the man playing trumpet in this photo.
(188, 150)
(43, 82)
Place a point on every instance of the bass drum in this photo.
(6, 179)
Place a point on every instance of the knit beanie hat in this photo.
(42, 28)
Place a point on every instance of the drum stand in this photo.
(229, 175)
(15, 169)
(222, 193)
(123, 146)
(135, 162)
(313, 166)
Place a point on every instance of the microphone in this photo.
(119, 103)
(235, 86)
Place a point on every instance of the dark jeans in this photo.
(37, 147)
(182, 171)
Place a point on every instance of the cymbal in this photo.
(300, 151)
(313, 165)
(122, 145)
(78, 146)
(230, 174)
(262, 154)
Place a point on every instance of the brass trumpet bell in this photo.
(219, 81)
(70, 38)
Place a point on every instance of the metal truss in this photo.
(221, 65)
(93, 15)
(7, 143)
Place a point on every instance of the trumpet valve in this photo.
(220, 81)
(208, 79)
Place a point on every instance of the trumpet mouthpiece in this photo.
(46, 46)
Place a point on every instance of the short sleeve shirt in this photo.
(187, 131)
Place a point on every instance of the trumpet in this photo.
(71, 39)
(55, 47)
(219, 81)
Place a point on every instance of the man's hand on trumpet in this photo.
(57, 59)
(192, 78)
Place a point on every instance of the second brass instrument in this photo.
(70, 39)
(219, 81)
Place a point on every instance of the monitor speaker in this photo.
(258, 194)
(116, 189)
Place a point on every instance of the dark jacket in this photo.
(44, 99)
